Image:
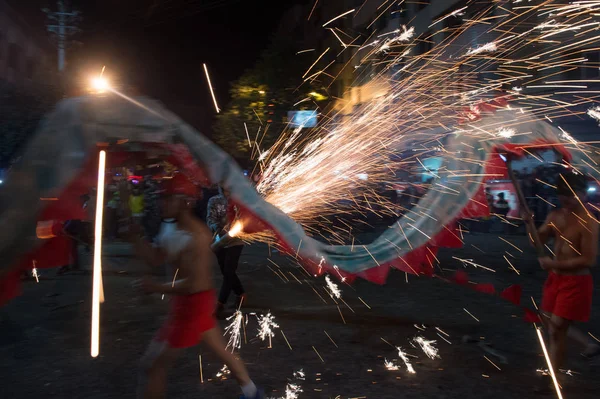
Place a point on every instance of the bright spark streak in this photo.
(554, 380)
(212, 93)
(338, 17)
(594, 113)
(407, 363)
(201, 373)
(97, 272)
(506, 132)
(484, 48)
(34, 272)
(234, 330)
(427, 347)
(315, 63)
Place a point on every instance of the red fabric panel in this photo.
(485, 288)
(477, 207)
(512, 294)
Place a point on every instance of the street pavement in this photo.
(340, 345)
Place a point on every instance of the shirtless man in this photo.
(567, 296)
(184, 243)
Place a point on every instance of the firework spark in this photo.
(427, 347)
(332, 288)
(266, 325)
(223, 373)
(234, 329)
(404, 357)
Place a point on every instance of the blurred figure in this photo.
(487, 221)
(185, 243)
(112, 215)
(502, 208)
(220, 214)
(567, 293)
(136, 205)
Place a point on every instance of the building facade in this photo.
(25, 58)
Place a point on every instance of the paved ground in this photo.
(44, 334)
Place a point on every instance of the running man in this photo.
(184, 243)
(567, 295)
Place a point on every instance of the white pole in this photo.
(97, 295)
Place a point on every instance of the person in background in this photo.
(136, 205)
(487, 221)
(112, 216)
(220, 214)
(502, 208)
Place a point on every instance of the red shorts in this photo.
(189, 317)
(569, 297)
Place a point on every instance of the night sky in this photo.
(157, 47)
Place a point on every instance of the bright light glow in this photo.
(97, 274)
(100, 84)
(592, 190)
(212, 93)
(236, 229)
(556, 386)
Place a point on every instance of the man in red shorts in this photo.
(184, 243)
(567, 296)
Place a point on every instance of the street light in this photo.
(100, 84)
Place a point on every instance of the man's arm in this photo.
(588, 253)
(546, 231)
(212, 217)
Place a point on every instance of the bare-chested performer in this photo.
(567, 295)
(184, 243)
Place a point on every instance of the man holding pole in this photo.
(567, 294)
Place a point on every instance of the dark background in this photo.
(157, 47)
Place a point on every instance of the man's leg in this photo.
(152, 377)
(226, 284)
(231, 264)
(213, 338)
(592, 348)
(558, 328)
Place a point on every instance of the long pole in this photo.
(97, 294)
(61, 36)
(535, 237)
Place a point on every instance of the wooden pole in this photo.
(539, 246)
